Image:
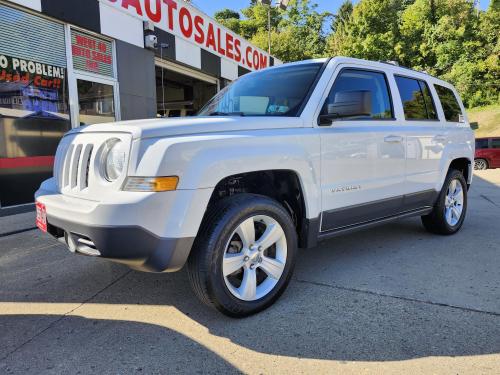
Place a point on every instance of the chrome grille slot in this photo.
(73, 169)
(67, 162)
(85, 166)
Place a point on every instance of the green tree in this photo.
(229, 18)
(371, 32)
(343, 15)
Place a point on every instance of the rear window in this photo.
(495, 143)
(451, 108)
(416, 98)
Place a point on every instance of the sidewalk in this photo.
(17, 223)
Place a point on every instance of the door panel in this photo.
(359, 170)
(363, 150)
(425, 142)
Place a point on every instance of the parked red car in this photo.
(487, 153)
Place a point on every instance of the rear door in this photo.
(362, 148)
(425, 141)
(495, 152)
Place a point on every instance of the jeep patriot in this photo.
(280, 159)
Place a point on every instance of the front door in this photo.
(363, 151)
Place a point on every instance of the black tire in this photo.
(481, 164)
(436, 221)
(205, 261)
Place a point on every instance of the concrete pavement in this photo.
(391, 299)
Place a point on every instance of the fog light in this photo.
(156, 184)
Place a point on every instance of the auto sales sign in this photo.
(184, 21)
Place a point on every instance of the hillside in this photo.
(488, 119)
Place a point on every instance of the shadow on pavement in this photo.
(390, 293)
(81, 345)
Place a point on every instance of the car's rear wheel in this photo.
(244, 255)
(448, 214)
(480, 164)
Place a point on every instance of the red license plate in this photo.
(41, 216)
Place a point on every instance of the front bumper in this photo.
(148, 231)
(130, 245)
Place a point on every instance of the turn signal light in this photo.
(155, 184)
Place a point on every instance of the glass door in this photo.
(96, 101)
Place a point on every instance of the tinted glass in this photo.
(495, 143)
(273, 92)
(449, 103)
(416, 98)
(359, 94)
(429, 103)
(481, 143)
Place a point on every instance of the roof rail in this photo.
(395, 63)
(392, 62)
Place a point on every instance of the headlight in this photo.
(114, 157)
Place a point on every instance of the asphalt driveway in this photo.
(390, 299)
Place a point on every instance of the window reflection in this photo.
(96, 102)
(34, 115)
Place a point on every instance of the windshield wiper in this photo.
(216, 113)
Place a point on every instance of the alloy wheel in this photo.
(454, 202)
(254, 258)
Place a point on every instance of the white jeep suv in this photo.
(278, 160)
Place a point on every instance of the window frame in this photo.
(423, 97)
(329, 89)
(456, 99)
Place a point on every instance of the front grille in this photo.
(72, 168)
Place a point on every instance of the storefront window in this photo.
(96, 102)
(179, 95)
(34, 115)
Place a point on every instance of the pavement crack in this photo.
(52, 324)
(488, 199)
(402, 298)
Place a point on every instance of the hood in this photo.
(154, 128)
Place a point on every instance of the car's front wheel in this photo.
(244, 255)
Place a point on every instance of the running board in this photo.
(368, 224)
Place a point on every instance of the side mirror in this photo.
(354, 103)
(474, 125)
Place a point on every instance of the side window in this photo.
(359, 94)
(481, 143)
(495, 143)
(416, 98)
(451, 108)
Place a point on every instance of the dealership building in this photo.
(65, 64)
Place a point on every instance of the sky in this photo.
(212, 6)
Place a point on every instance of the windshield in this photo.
(273, 92)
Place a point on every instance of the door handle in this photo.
(393, 139)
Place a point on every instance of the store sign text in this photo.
(188, 23)
(91, 54)
(27, 72)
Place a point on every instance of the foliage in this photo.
(450, 39)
